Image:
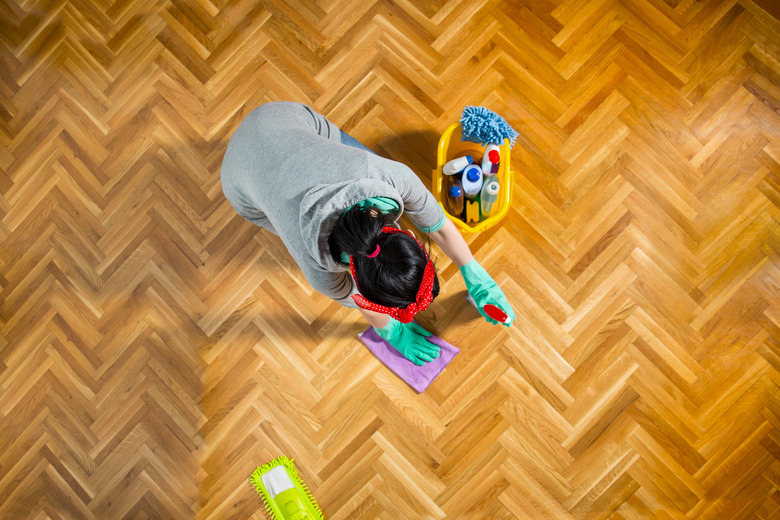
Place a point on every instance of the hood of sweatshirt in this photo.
(323, 204)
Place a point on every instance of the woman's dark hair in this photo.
(393, 277)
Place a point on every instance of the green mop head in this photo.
(285, 495)
(481, 125)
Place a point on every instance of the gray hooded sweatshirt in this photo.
(285, 169)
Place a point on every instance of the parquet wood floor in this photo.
(155, 347)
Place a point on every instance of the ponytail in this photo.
(389, 275)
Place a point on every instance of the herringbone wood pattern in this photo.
(155, 348)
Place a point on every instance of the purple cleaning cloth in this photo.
(418, 377)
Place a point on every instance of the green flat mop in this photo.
(285, 495)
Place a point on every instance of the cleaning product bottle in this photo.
(472, 181)
(491, 159)
(488, 196)
(453, 196)
(456, 165)
(493, 311)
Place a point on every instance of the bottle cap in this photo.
(456, 191)
(494, 156)
(472, 173)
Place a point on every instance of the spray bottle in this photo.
(493, 311)
(456, 165)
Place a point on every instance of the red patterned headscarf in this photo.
(424, 293)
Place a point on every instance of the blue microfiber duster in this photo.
(481, 125)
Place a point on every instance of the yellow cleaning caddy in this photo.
(451, 147)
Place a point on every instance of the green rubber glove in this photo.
(483, 290)
(410, 339)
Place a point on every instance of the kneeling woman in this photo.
(334, 204)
